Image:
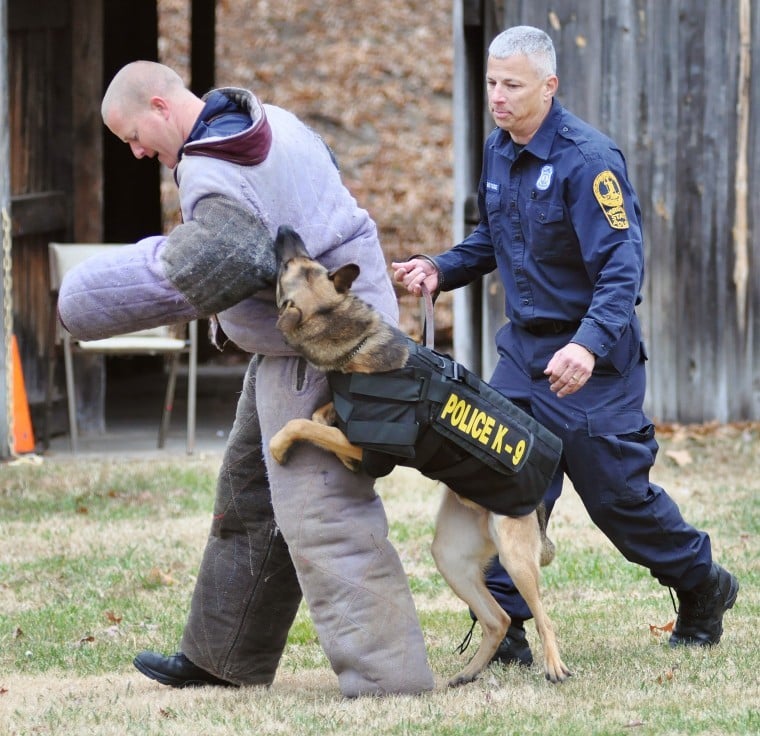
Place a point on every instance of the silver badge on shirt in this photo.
(545, 179)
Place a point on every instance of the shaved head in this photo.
(135, 84)
(148, 106)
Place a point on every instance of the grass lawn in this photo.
(98, 558)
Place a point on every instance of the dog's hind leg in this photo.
(519, 543)
(461, 549)
(328, 438)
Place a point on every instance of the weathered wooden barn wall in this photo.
(672, 82)
(59, 52)
(40, 134)
(55, 158)
(69, 178)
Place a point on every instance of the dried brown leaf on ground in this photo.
(659, 630)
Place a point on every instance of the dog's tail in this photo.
(547, 546)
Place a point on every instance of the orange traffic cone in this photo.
(23, 436)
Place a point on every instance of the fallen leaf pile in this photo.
(375, 80)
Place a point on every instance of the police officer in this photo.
(561, 221)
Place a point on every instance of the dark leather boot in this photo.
(176, 671)
(514, 648)
(700, 611)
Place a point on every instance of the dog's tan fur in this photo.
(335, 330)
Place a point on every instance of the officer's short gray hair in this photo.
(528, 41)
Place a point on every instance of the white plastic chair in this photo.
(157, 341)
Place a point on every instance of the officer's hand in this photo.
(569, 369)
(413, 273)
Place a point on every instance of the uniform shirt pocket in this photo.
(549, 232)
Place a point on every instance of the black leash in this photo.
(429, 324)
(466, 641)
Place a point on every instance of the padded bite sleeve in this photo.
(121, 289)
(220, 257)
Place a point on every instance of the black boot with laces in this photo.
(700, 611)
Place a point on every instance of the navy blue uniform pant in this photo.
(608, 450)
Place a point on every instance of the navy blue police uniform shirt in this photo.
(562, 223)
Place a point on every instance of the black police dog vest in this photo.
(440, 418)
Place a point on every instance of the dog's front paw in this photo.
(557, 674)
(279, 446)
(463, 678)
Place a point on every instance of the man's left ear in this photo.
(159, 105)
(552, 84)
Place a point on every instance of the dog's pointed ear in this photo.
(289, 319)
(344, 276)
(288, 245)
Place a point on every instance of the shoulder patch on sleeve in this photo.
(610, 197)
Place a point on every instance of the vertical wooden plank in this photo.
(690, 185)
(720, 120)
(655, 180)
(705, 201)
(87, 126)
(202, 45)
(469, 39)
(5, 208)
(740, 402)
(617, 47)
(490, 289)
(752, 353)
(131, 188)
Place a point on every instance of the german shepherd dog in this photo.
(336, 331)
